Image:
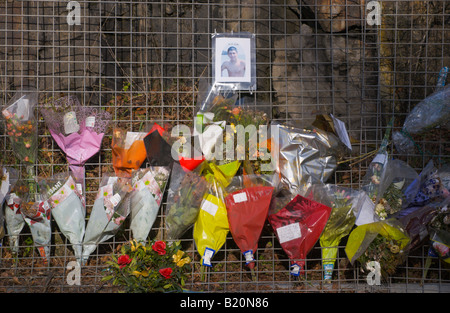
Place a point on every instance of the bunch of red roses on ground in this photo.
(157, 266)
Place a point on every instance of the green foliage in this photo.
(155, 267)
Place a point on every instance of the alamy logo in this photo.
(373, 9)
(374, 277)
(74, 15)
(74, 274)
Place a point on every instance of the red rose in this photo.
(123, 261)
(166, 272)
(159, 247)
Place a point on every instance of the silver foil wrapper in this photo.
(303, 157)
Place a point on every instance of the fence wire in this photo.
(143, 61)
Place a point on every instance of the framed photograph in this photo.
(234, 60)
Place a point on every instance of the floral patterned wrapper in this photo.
(21, 125)
(148, 189)
(111, 207)
(298, 225)
(384, 241)
(428, 188)
(37, 214)
(344, 204)
(128, 151)
(184, 198)
(67, 207)
(78, 131)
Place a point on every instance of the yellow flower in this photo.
(135, 245)
(143, 273)
(179, 260)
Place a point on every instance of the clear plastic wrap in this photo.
(431, 112)
(184, 198)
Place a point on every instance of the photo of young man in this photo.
(234, 67)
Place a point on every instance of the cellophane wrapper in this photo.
(128, 151)
(21, 125)
(67, 207)
(344, 203)
(184, 198)
(211, 226)
(78, 130)
(298, 223)
(303, 157)
(37, 214)
(149, 185)
(111, 207)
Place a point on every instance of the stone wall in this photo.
(312, 55)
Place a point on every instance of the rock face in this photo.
(323, 73)
(337, 15)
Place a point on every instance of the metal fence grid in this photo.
(143, 60)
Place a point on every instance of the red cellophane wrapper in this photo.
(247, 212)
(298, 226)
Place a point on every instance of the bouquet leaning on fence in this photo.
(110, 209)
(149, 185)
(67, 207)
(78, 131)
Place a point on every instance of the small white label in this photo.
(240, 197)
(115, 199)
(295, 270)
(248, 256)
(209, 207)
(71, 123)
(11, 198)
(289, 232)
(207, 256)
(80, 188)
(90, 121)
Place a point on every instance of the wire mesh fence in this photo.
(144, 60)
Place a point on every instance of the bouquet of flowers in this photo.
(184, 199)
(67, 208)
(21, 127)
(145, 200)
(298, 225)
(384, 242)
(128, 151)
(343, 202)
(439, 229)
(303, 157)
(155, 267)
(37, 213)
(110, 209)
(211, 227)
(392, 197)
(78, 131)
(247, 210)
(377, 167)
(13, 217)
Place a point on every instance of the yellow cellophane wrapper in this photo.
(210, 231)
(223, 173)
(361, 237)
